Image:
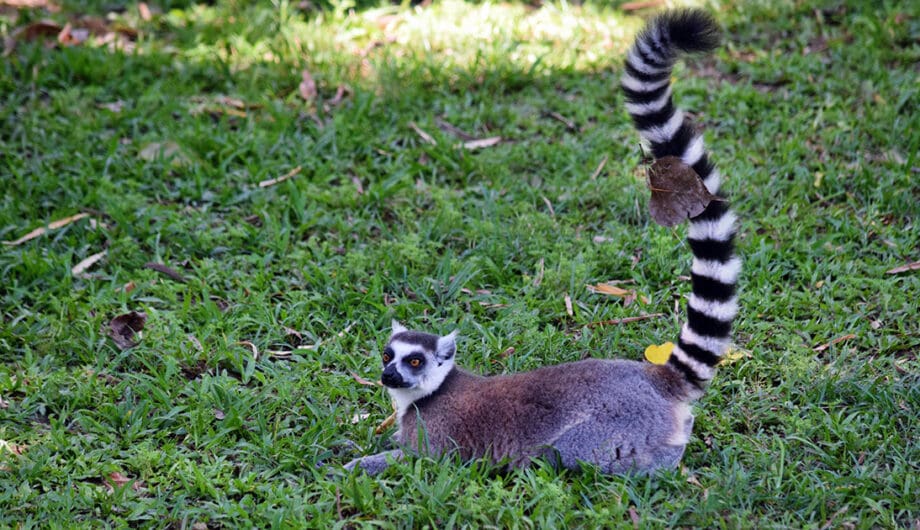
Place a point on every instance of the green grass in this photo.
(810, 111)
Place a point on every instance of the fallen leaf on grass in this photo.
(640, 4)
(358, 418)
(363, 381)
(115, 106)
(70, 36)
(827, 345)
(341, 92)
(569, 124)
(483, 142)
(608, 289)
(144, 11)
(16, 449)
(117, 480)
(733, 353)
(568, 306)
(168, 151)
(659, 353)
(538, 278)
(41, 230)
(307, 86)
(678, 193)
(4, 404)
(357, 182)
(600, 167)
(123, 328)
(422, 134)
(552, 211)
(454, 130)
(271, 182)
(218, 414)
(391, 419)
(634, 516)
(617, 321)
(79, 270)
(252, 348)
(163, 269)
(30, 32)
(904, 268)
(508, 352)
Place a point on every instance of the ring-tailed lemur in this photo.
(619, 415)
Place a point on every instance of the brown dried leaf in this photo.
(358, 186)
(163, 269)
(634, 516)
(422, 134)
(123, 327)
(41, 230)
(15, 449)
(252, 348)
(610, 290)
(484, 142)
(307, 86)
(79, 270)
(282, 178)
(568, 306)
(144, 11)
(827, 345)
(600, 167)
(391, 419)
(640, 4)
(363, 381)
(904, 268)
(453, 129)
(618, 321)
(552, 211)
(117, 480)
(538, 279)
(678, 193)
(341, 92)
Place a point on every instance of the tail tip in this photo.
(689, 29)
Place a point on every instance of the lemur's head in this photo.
(415, 364)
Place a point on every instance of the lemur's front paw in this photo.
(374, 464)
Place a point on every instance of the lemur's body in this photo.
(619, 415)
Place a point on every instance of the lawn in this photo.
(272, 183)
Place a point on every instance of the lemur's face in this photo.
(416, 361)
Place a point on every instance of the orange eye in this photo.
(386, 358)
(415, 363)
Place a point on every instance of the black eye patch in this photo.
(414, 360)
(388, 355)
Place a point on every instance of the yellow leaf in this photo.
(733, 354)
(659, 354)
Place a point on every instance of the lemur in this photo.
(620, 415)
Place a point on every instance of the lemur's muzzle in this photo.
(392, 378)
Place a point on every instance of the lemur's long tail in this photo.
(647, 86)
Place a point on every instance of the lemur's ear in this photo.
(397, 327)
(447, 346)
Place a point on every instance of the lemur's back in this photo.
(614, 413)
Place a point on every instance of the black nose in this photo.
(391, 378)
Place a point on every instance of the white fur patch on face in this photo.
(422, 383)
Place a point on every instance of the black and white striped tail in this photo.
(647, 86)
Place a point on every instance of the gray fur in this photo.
(622, 416)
